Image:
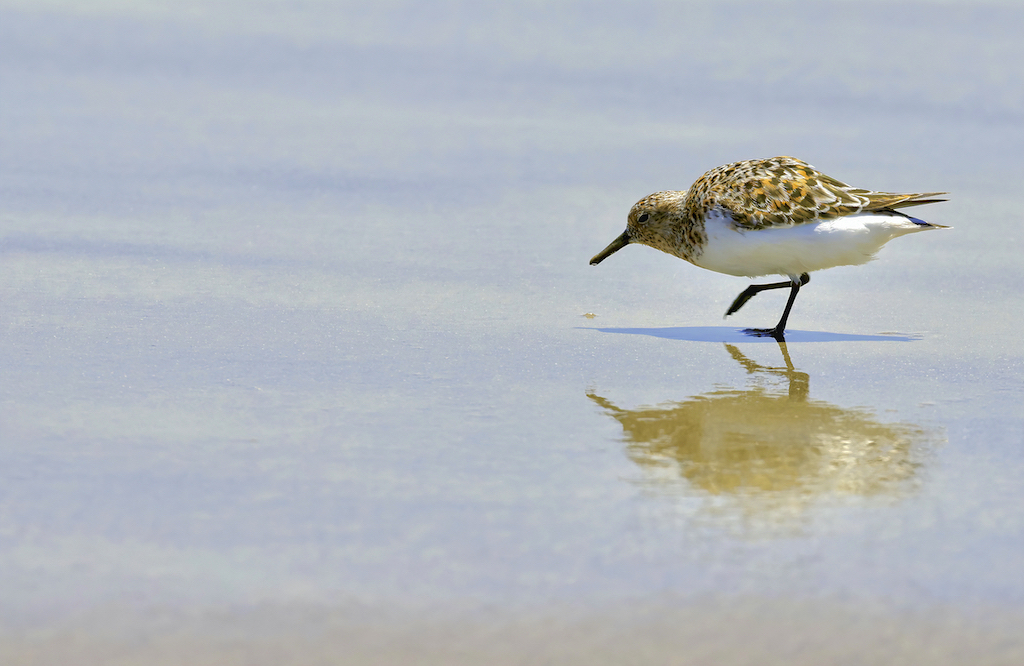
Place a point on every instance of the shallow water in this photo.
(304, 361)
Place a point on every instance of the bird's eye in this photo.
(643, 218)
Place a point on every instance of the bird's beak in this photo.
(616, 245)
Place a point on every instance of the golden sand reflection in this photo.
(770, 447)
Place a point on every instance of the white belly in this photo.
(846, 241)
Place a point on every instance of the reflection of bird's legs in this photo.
(780, 329)
(785, 355)
(603, 403)
(799, 382)
(750, 366)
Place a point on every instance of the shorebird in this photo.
(771, 216)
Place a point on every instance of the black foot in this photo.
(766, 333)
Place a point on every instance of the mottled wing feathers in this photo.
(785, 191)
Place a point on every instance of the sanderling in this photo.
(766, 217)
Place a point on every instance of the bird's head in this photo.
(653, 221)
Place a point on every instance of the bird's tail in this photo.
(881, 201)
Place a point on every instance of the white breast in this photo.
(845, 241)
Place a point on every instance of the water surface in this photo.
(304, 361)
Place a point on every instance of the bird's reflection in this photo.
(770, 449)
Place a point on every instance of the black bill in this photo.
(616, 245)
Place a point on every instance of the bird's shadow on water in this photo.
(730, 334)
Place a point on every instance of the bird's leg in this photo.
(752, 291)
(756, 289)
(779, 331)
